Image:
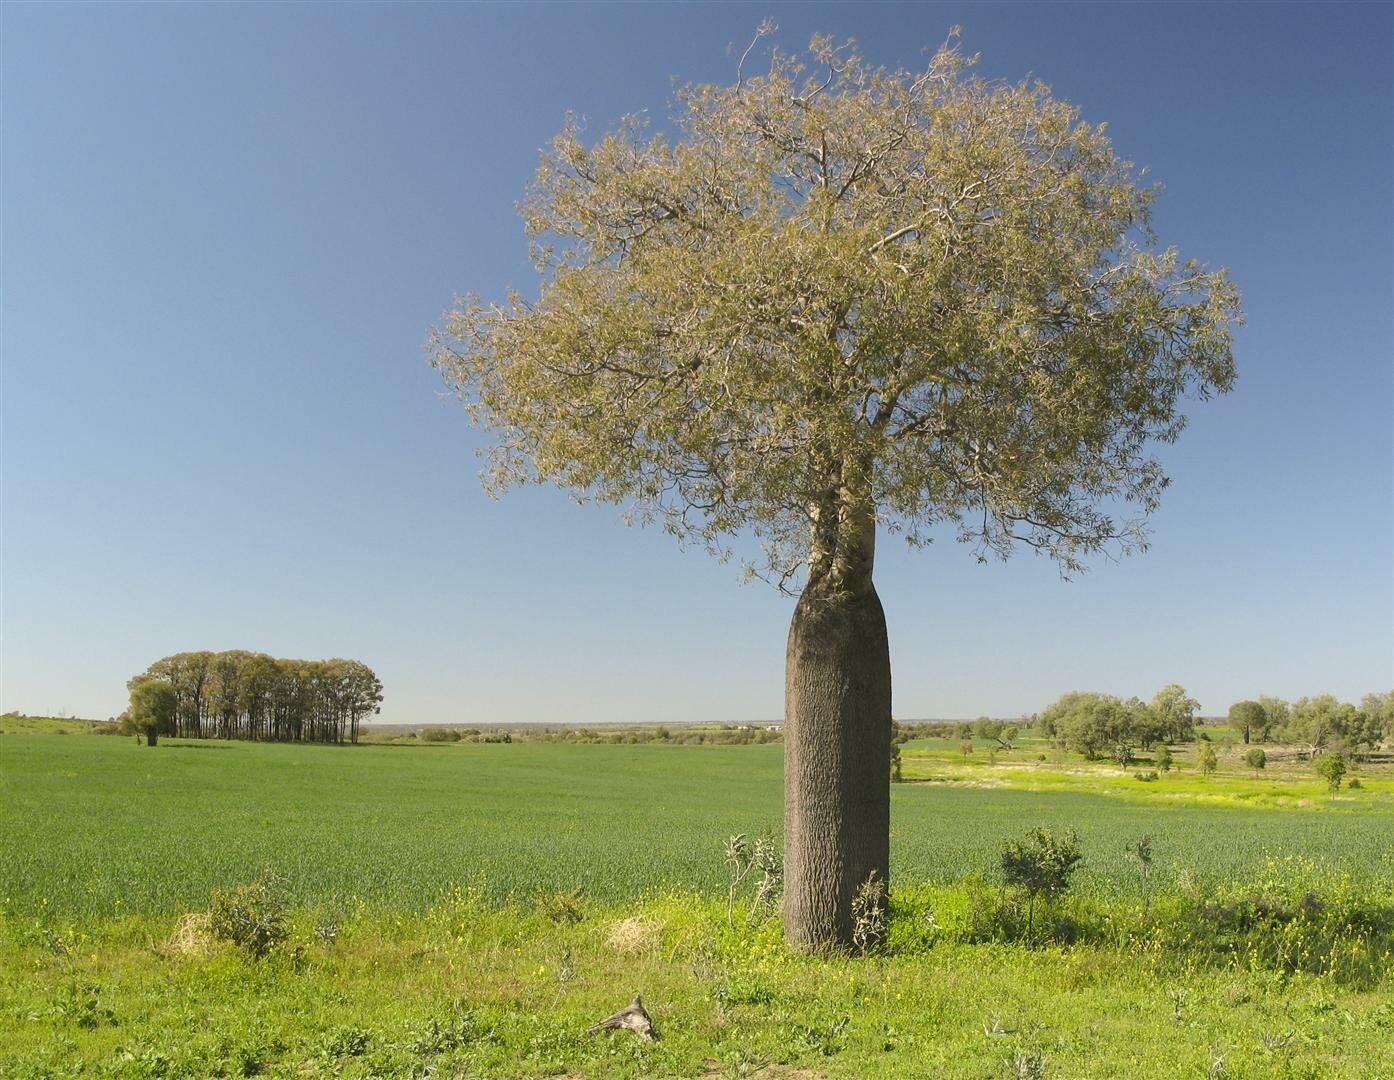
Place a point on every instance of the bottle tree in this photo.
(836, 300)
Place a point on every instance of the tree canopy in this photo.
(246, 695)
(835, 290)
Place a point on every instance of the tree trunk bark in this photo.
(837, 750)
(152, 737)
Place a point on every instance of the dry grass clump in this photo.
(192, 937)
(634, 935)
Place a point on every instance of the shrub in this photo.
(1146, 777)
(1162, 758)
(1123, 755)
(563, 906)
(764, 858)
(1255, 758)
(252, 917)
(1141, 853)
(439, 734)
(965, 747)
(1354, 782)
(869, 914)
(1332, 769)
(1205, 757)
(1040, 865)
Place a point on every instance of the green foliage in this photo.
(1205, 757)
(1324, 722)
(1332, 769)
(563, 905)
(345, 1041)
(773, 291)
(1380, 709)
(251, 916)
(244, 695)
(152, 708)
(1040, 864)
(1161, 757)
(440, 734)
(1140, 852)
(1249, 719)
(18, 723)
(869, 912)
(761, 862)
(1123, 755)
(1256, 758)
(1175, 714)
(965, 747)
(1091, 724)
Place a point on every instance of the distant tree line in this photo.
(1101, 724)
(247, 695)
(1320, 723)
(716, 734)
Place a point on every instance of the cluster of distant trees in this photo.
(1092, 724)
(1321, 723)
(247, 695)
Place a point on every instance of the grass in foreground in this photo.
(470, 989)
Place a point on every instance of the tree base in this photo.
(837, 751)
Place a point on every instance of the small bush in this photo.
(1256, 758)
(345, 1042)
(439, 734)
(1040, 865)
(765, 860)
(1332, 769)
(439, 1036)
(1147, 777)
(563, 906)
(1354, 782)
(869, 914)
(252, 917)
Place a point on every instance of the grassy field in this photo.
(119, 827)
(424, 934)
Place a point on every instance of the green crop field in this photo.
(99, 825)
(430, 924)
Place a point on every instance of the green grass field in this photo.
(420, 937)
(98, 825)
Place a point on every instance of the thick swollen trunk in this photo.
(837, 747)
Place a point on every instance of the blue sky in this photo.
(227, 229)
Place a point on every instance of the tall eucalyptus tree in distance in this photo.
(834, 298)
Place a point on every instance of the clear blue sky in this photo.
(228, 227)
